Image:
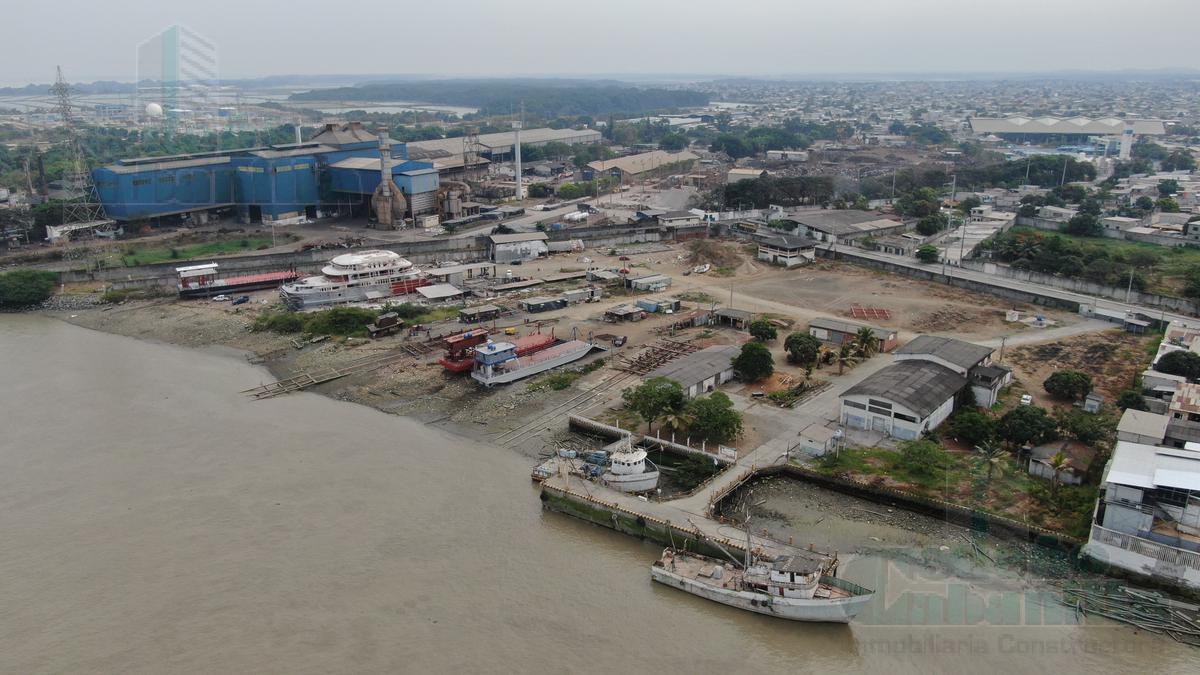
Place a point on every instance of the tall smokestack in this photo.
(385, 161)
(517, 158)
(1126, 142)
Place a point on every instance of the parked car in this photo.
(1026, 399)
(220, 298)
(624, 257)
(240, 301)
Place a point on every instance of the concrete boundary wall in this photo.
(933, 273)
(1082, 286)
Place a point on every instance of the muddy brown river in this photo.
(153, 520)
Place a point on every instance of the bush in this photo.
(1132, 399)
(280, 322)
(928, 254)
(923, 458)
(973, 427)
(21, 288)
(339, 321)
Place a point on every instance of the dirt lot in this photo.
(1113, 358)
(830, 288)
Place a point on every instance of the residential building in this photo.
(1147, 519)
(1056, 214)
(787, 155)
(1115, 227)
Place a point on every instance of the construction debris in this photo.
(1147, 610)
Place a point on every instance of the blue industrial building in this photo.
(336, 171)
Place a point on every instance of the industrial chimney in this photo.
(517, 158)
(388, 202)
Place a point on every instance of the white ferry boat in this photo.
(498, 362)
(355, 277)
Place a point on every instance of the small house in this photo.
(543, 304)
(816, 440)
(478, 314)
(622, 313)
(660, 305)
(650, 282)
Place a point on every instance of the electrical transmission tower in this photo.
(81, 204)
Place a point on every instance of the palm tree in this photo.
(676, 420)
(845, 357)
(866, 343)
(994, 458)
(1058, 463)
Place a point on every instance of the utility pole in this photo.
(1063, 181)
(1129, 288)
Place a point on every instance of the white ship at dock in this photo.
(355, 277)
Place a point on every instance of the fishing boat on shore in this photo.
(355, 277)
(500, 362)
(202, 281)
(797, 587)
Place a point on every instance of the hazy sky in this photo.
(96, 39)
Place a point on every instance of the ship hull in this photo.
(236, 285)
(512, 375)
(816, 610)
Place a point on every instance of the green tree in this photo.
(973, 427)
(845, 356)
(1144, 203)
(994, 458)
(1085, 225)
(931, 225)
(866, 343)
(763, 330)
(1068, 385)
(1167, 187)
(928, 254)
(1087, 428)
(1026, 424)
(1167, 205)
(713, 418)
(964, 206)
(654, 398)
(1180, 362)
(1058, 464)
(802, 349)
(755, 362)
(673, 142)
(21, 288)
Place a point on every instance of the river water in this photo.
(153, 520)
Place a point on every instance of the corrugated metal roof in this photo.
(849, 327)
(1019, 124)
(517, 236)
(647, 161)
(963, 354)
(692, 369)
(920, 386)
